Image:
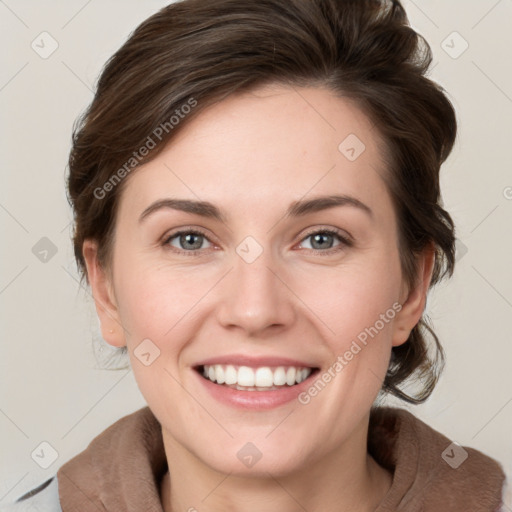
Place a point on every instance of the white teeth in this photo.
(301, 375)
(252, 379)
(230, 377)
(279, 376)
(290, 376)
(263, 378)
(220, 375)
(245, 376)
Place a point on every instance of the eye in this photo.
(190, 241)
(322, 241)
(187, 241)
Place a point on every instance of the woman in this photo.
(258, 214)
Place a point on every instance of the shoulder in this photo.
(506, 500)
(432, 470)
(43, 498)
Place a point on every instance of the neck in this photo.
(348, 479)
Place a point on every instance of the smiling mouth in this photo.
(263, 378)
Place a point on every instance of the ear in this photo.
(104, 299)
(413, 304)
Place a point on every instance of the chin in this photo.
(251, 462)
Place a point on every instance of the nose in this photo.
(255, 297)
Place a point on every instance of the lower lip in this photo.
(254, 399)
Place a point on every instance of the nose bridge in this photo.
(255, 298)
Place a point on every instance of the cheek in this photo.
(154, 300)
(353, 297)
(357, 305)
(156, 313)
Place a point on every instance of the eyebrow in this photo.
(296, 209)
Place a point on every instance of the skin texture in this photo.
(252, 155)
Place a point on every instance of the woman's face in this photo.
(264, 281)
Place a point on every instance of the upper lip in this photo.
(254, 361)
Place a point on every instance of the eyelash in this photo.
(345, 241)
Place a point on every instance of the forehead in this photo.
(274, 142)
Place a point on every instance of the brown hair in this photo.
(197, 52)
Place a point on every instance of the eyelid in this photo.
(165, 240)
(346, 241)
(344, 235)
(187, 229)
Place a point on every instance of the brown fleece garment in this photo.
(423, 481)
(121, 469)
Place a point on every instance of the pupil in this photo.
(320, 238)
(189, 239)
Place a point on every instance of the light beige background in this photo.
(52, 387)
